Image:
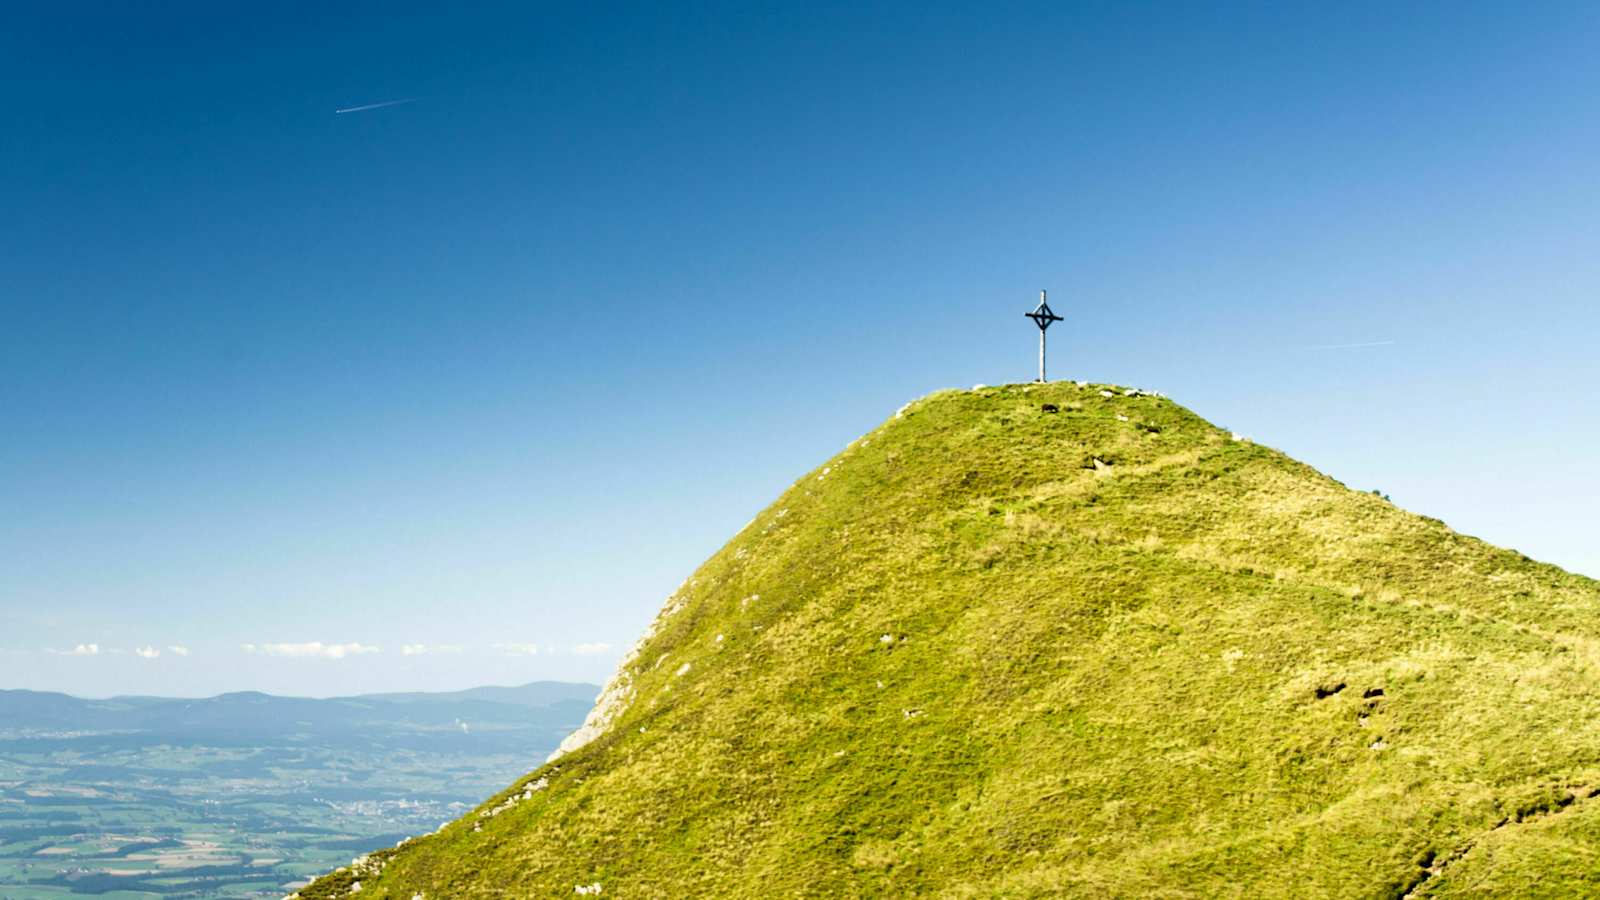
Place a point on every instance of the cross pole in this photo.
(1042, 316)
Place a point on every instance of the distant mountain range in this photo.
(541, 704)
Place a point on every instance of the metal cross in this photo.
(1042, 317)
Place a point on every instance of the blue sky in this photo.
(492, 371)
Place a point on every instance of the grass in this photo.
(989, 650)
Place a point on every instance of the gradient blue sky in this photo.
(503, 365)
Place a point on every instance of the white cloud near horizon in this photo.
(518, 649)
(179, 650)
(146, 652)
(312, 650)
(80, 650)
(592, 649)
(424, 649)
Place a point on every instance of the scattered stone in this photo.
(1050, 408)
(1121, 418)
(683, 670)
(513, 800)
(1107, 394)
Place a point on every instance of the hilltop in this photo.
(1068, 639)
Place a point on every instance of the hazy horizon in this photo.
(212, 696)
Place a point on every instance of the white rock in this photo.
(683, 669)
(1107, 394)
(618, 693)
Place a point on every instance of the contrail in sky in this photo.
(1351, 346)
(351, 109)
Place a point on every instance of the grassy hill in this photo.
(995, 650)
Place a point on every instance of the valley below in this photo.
(247, 795)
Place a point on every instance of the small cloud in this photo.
(312, 650)
(80, 650)
(518, 649)
(424, 649)
(146, 652)
(178, 650)
(592, 649)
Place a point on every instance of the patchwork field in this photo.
(189, 811)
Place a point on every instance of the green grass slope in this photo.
(994, 651)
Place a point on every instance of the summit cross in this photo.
(1042, 316)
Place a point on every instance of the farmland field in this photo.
(196, 809)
